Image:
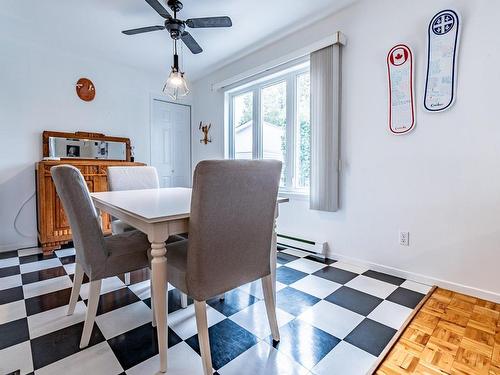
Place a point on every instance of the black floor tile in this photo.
(371, 336)
(8, 254)
(354, 300)
(138, 345)
(59, 344)
(335, 274)
(85, 278)
(68, 259)
(115, 299)
(13, 333)
(284, 258)
(9, 271)
(44, 302)
(11, 295)
(227, 341)
(49, 273)
(174, 300)
(326, 261)
(294, 301)
(384, 277)
(406, 297)
(288, 276)
(304, 343)
(234, 301)
(36, 258)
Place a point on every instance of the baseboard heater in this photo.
(294, 242)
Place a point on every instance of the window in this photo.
(269, 119)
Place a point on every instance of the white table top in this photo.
(151, 205)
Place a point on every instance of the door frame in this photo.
(161, 98)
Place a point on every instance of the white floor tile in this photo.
(69, 268)
(182, 360)
(65, 252)
(350, 267)
(55, 319)
(12, 311)
(17, 357)
(40, 265)
(305, 265)
(30, 251)
(9, 262)
(255, 288)
(254, 319)
(372, 286)
(316, 286)
(183, 321)
(391, 314)
(417, 287)
(10, 282)
(108, 285)
(142, 289)
(124, 319)
(331, 318)
(262, 359)
(345, 359)
(47, 286)
(98, 359)
(297, 253)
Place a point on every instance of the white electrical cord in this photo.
(17, 216)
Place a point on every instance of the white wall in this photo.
(37, 92)
(441, 182)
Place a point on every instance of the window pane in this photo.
(273, 99)
(243, 127)
(303, 154)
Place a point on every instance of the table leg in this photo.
(274, 252)
(160, 298)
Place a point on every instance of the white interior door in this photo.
(171, 143)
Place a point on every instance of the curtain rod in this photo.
(336, 39)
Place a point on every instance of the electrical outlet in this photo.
(404, 238)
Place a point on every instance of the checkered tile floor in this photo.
(335, 318)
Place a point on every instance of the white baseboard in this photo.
(17, 246)
(424, 279)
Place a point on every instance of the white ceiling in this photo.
(94, 26)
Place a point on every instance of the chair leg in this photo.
(93, 301)
(184, 300)
(75, 291)
(127, 278)
(200, 309)
(267, 288)
(153, 318)
(222, 296)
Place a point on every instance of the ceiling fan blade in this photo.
(191, 43)
(143, 30)
(209, 22)
(159, 8)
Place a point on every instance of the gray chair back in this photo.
(231, 223)
(83, 219)
(132, 178)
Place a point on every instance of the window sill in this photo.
(294, 194)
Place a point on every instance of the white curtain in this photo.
(325, 119)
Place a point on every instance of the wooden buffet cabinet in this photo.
(53, 226)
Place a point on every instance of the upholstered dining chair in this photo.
(134, 178)
(97, 256)
(230, 233)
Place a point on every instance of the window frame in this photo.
(290, 76)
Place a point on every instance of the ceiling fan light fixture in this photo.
(176, 85)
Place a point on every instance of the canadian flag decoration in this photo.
(401, 94)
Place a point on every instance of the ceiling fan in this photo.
(177, 27)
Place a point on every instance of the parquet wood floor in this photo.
(452, 334)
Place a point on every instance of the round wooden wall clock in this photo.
(85, 89)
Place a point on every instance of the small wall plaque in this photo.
(85, 89)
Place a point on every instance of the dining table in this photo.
(160, 213)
